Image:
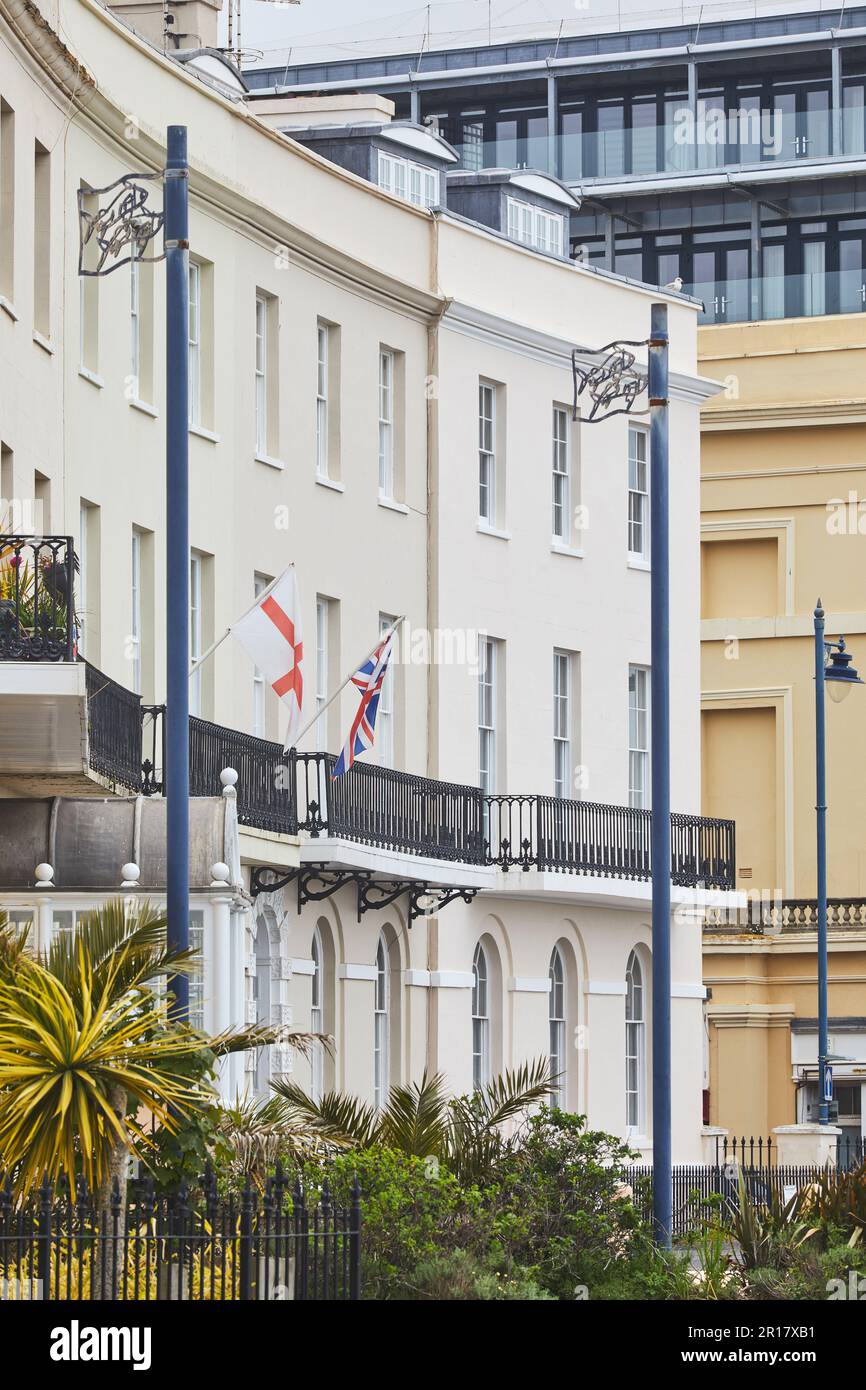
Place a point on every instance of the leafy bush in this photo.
(462, 1276)
(559, 1206)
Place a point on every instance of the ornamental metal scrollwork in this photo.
(614, 379)
(124, 222)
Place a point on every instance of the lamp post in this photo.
(613, 387)
(834, 671)
(176, 776)
(112, 233)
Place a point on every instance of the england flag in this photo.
(271, 633)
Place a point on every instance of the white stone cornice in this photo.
(46, 49)
(550, 349)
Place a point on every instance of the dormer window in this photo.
(415, 183)
(532, 226)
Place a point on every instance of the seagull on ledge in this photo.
(675, 284)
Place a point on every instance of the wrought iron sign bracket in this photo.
(125, 223)
(615, 379)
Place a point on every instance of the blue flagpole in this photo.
(176, 203)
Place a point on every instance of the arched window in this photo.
(317, 1058)
(556, 1015)
(635, 1046)
(382, 1009)
(480, 1019)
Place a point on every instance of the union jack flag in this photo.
(369, 679)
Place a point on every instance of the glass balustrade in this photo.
(717, 140)
(781, 296)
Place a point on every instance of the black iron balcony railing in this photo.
(586, 837)
(37, 610)
(390, 810)
(114, 725)
(421, 816)
(378, 806)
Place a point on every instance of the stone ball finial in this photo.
(130, 873)
(220, 875)
(44, 875)
(228, 778)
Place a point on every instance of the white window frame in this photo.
(261, 374)
(81, 612)
(638, 494)
(196, 975)
(561, 475)
(487, 407)
(635, 1046)
(382, 1025)
(386, 423)
(135, 635)
(556, 1019)
(480, 1018)
(260, 690)
(194, 343)
(135, 323)
(639, 727)
(563, 664)
(414, 183)
(322, 628)
(317, 1056)
(323, 346)
(535, 227)
(385, 711)
(487, 712)
(195, 629)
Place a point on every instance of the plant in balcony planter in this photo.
(35, 594)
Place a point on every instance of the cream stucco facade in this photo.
(453, 305)
(783, 524)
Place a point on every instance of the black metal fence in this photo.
(258, 1246)
(763, 1153)
(37, 612)
(704, 1195)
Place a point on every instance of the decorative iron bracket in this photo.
(124, 222)
(316, 882)
(266, 880)
(442, 896)
(611, 380)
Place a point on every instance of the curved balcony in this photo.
(400, 812)
(57, 740)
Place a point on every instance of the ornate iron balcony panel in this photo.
(37, 602)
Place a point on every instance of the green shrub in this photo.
(461, 1276)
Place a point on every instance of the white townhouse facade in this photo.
(381, 393)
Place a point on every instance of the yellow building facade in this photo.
(784, 523)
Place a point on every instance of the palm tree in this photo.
(259, 1132)
(466, 1133)
(87, 1043)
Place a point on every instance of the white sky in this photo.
(316, 29)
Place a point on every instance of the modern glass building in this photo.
(731, 154)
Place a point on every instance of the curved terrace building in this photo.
(381, 393)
